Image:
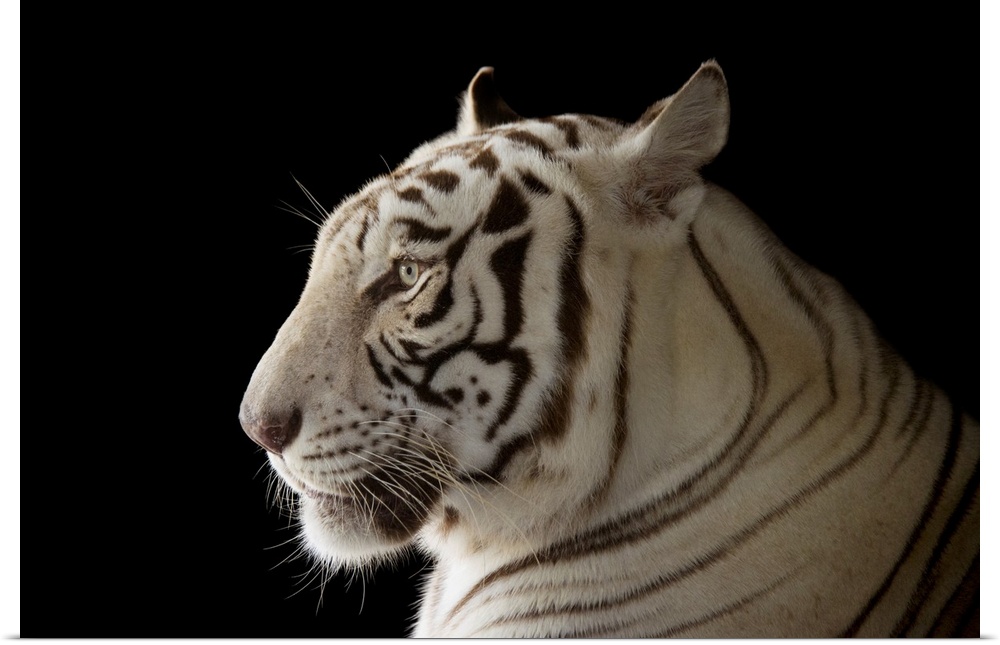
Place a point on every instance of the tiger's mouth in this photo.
(390, 504)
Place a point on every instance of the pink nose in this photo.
(273, 432)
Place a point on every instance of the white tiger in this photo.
(607, 401)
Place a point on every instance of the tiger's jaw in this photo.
(369, 515)
(367, 518)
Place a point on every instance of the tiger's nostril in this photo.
(273, 432)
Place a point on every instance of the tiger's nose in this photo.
(272, 432)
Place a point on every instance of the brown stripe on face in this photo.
(533, 183)
(569, 128)
(411, 194)
(574, 310)
(529, 139)
(486, 161)
(504, 454)
(508, 209)
(417, 231)
(363, 233)
(445, 299)
(443, 180)
(507, 263)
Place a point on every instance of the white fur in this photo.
(723, 434)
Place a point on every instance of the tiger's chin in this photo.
(366, 527)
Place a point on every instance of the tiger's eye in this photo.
(409, 271)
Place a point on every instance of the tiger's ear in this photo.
(482, 106)
(658, 158)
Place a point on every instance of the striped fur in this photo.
(608, 402)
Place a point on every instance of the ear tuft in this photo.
(482, 105)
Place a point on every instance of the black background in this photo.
(850, 137)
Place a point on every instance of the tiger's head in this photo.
(451, 352)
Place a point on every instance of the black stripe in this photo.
(381, 287)
(380, 374)
(417, 231)
(486, 161)
(411, 348)
(672, 632)
(445, 298)
(964, 601)
(920, 404)
(650, 517)
(569, 128)
(390, 349)
(529, 139)
(588, 544)
(411, 194)
(727, 546)
(423, 391)
(351, 208)
(933, 564)
(621, 392)
(443, 180)
(928, 395)
(363, 233)
(533, 183)
(574, 311)
(507, 263)
(824, 330)
(507, 210)
(522, 372)
(940, 482)
(504, 453)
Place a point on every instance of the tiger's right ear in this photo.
(482, 106)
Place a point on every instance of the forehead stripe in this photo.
(411, 194)
(486, 161)
(417, 231)
(534, 184)
(443, 180)
(529, 139)
(508, 209)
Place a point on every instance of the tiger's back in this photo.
(607, 401)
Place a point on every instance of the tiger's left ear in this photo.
(482, 106)
(658, 158)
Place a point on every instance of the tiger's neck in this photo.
(703, 317)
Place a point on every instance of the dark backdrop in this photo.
(850, 137)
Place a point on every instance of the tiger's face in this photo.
(437, 350)
(425, 342)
